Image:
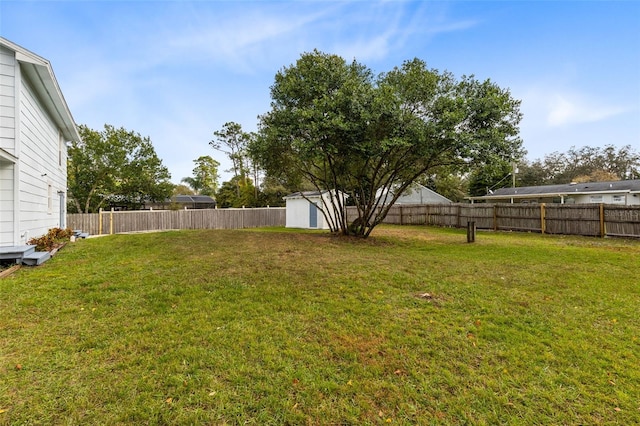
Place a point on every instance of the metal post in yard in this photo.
(471, 232)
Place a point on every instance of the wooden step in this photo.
(16, 252)
(36, 258)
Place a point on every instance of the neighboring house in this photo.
(194, 201)
(623, 192)
(187, 202)
(35, 128)
(417, 194)
(305, 209)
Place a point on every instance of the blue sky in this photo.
(176, 71)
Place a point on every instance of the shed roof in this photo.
(41, 75)
(305, 194)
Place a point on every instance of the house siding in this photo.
(7, 100)
(35, 124)
(6, 203)
(620, 198)
(8, 144)
(42, 175)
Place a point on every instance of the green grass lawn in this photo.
(412, 326)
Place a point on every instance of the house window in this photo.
(595, 198)
(618, 198)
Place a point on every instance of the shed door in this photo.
(313, 215)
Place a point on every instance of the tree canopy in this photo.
(236, 143)
(585, 164)
(236, 192)
(205, 176)
(114, 167)
(338, 126)
(233, 141)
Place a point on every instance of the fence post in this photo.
(543, 221)
(111, 222)
(401, 218)
(603, 231)
(100, 221)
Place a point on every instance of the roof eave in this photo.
(44, 80)
(548, 194)
(42, 77)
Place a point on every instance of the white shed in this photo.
(305, 209)
(35, 125)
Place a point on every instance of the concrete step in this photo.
(36, 258)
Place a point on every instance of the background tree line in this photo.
(336, 125)
(585, 164)
(114, 167)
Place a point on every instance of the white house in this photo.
(35, 127)
(305, 209)
(622, 192)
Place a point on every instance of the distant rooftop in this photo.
(565, 189)
(198, 199)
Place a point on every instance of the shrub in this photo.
(56, 237)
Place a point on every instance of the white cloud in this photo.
(566, 109)
(389, 27)
(553, 107)
(364, 50)
(366, 31)
(240, 42)
(558, 117)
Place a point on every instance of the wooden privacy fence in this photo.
(115, 222)
(571, 219)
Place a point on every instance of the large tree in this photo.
(236, 143)
(205, 176)
(340, 127)
(114, 167)
(237, 192)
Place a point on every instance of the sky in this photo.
(176, 71)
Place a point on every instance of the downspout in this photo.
(63, 210)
